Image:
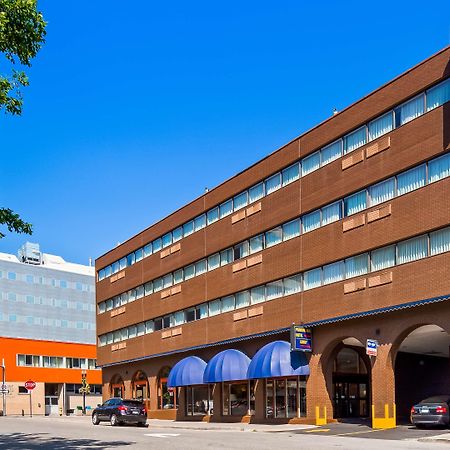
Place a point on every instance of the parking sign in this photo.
(371, 347)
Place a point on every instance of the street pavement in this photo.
(70, 433)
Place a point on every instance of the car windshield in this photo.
(133, 403)
(437, 399)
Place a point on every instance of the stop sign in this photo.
(30, 385)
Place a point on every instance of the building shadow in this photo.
(32, 441)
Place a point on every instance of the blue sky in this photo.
(135, 107)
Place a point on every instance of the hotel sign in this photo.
(301, 339)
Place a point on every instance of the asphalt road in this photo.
(78, 433)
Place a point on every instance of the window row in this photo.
(46, 322)
(46, 301)
(395, 118)
(63, 362)
(400, 184)
(414, 249)
(75, 388)
(34, 279)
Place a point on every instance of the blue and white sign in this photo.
(371, 347)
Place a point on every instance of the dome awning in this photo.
(277, 360)
(189, 371)
(229, 365)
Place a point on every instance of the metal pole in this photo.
(4, 382)
(31, 407)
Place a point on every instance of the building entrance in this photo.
(51, 399)
(350, 385)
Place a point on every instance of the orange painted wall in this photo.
(10, 347)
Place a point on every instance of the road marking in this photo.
(318, 430)
(162, 435)
(360, 432)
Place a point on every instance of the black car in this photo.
(431, 411)
(118, 411)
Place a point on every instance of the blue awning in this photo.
(276, 360)
(187, 372)
(228, 365)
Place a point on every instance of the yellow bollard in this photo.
(386, 421)
(321, 420)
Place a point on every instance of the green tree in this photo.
(22, 33)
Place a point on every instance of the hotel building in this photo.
(345, 230)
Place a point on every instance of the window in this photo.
(409, 110)
(331, 213)
(177, 234)
(440, 241)
(241, 250)
(214, 261)
(226, 256)
(412, 249)
(273, 237)
(200, 267)
(11, 275)
(148, 288)
(140, 291)
(310, 163)
(212, 215)
(356, 266)
(331, 152)
(240, 201)
(438, 95)
(354, 203)
(29, 279)
(382, 192)
(354, 140)
(148, 250)
(214, 308)
(333, 272)
(157, 284)
(178, 276)
(290, 174)
(166, 240)
(256, 192)
(156, 245)
(274, 289)
(102, 307)
(382, 258)
(439, 168)
(257, 243)
(273, 183)
(132, 331)
(158, 324)
(139, 254)
(226, 208)
(101, 275)
(189, 272)
(311, 221)
(242, 299)
(412, 179)
(123, 334)
(227, 303)
(188, 228)
(291, 229)
(200, 222)
(190, 315)
(177, 318)
(312, 279)
(380, 126)
(292, 285)
(257, 295)
(149, 326)
(122, 263)
(202, 311)
(167, 280)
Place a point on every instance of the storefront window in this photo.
(198, 401)
(117, 387)
(235, 398)
(167, 397)
(285, 397)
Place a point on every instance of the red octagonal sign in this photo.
(30, 385)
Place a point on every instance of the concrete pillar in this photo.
(383, 389)
(319, 406)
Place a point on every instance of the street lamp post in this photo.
(83, 384)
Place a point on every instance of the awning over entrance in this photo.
(189, 371)
(276, 360)
(229, 365)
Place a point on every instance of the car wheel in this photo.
(142, 424)
(95, 420)
(113, 420)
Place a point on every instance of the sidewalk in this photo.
(267, 428)
(441, 438)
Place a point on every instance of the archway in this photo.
(167, 397)
(117, 386)
(421, 366)
(351, 380)
(140, 386)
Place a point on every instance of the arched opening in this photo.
(140, 386)
(117, 387)
(421, 367)
(351, 381)
(167, 397)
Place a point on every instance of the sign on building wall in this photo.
(371, 347)
(301, 339)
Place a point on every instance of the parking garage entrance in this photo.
(350, 385)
